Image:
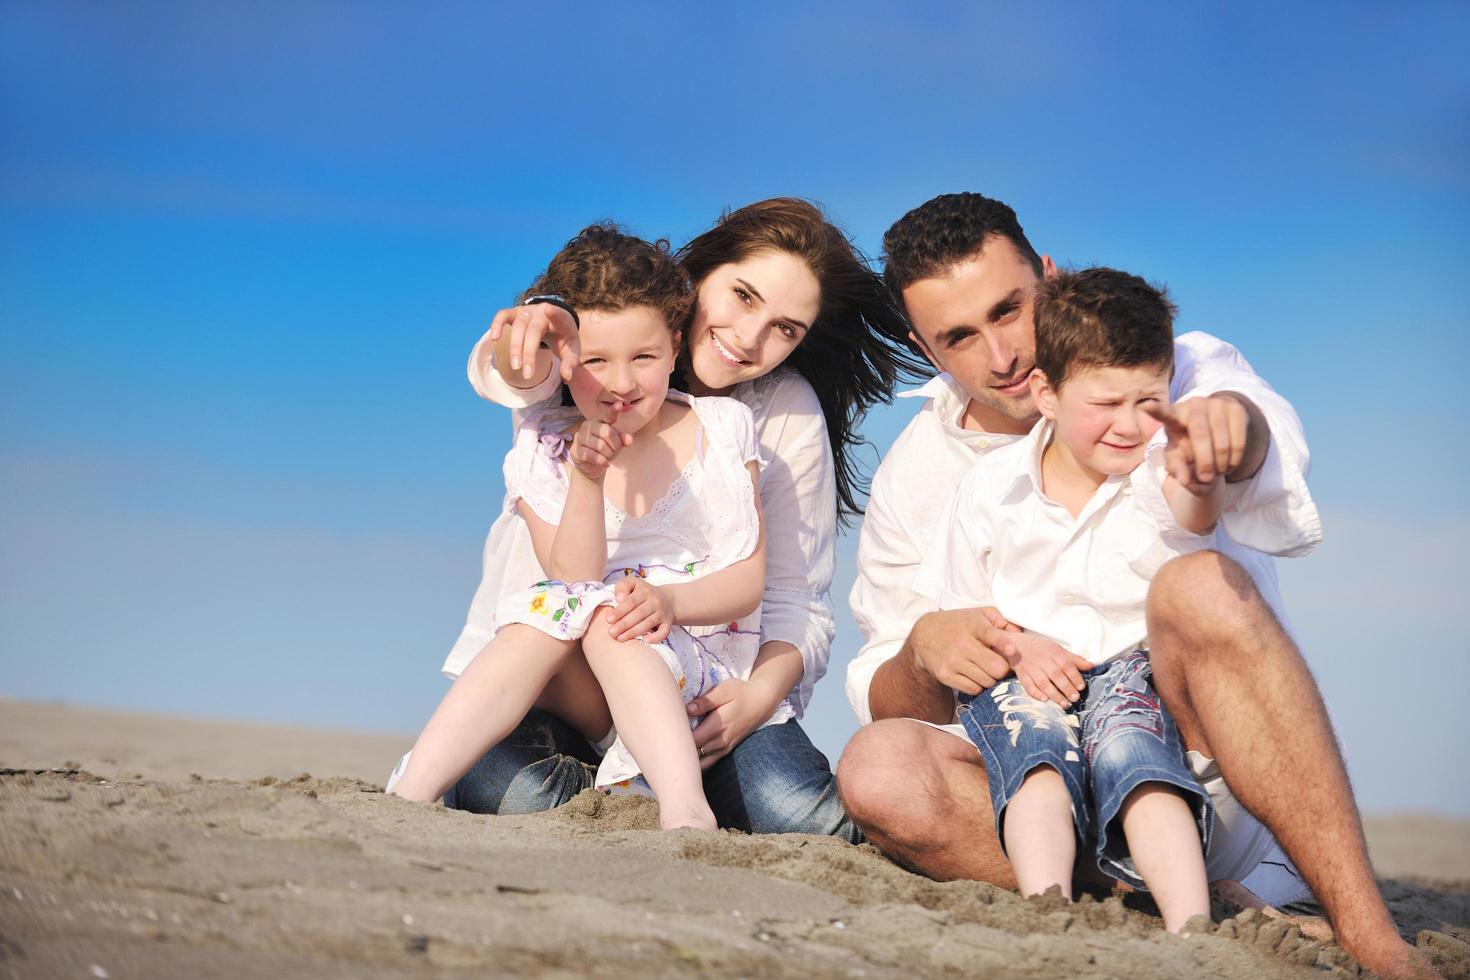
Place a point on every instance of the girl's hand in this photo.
(733, 710)
(642, 612)
(529, 326)
(597, 444)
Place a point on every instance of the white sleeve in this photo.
(1273, 512)
(883, 599)
(536, 469)
(489, 385)
(798, 494)
(955, 572)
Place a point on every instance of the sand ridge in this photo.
(163, 875)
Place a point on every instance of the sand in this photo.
(139, 846)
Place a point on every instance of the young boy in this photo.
(1062, 533)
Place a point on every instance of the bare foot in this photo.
(1242, 898)
(686, 818)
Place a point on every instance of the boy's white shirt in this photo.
(1081, 582)
(1272, 512)
(798, 494)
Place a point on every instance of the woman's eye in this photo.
(788, 330)
(744, 296)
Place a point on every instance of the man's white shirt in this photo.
(913, 486)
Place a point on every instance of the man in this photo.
(1243, 698)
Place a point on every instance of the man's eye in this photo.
(1006, 312)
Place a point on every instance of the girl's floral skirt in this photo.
(698, 662)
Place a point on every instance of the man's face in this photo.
(977, 320)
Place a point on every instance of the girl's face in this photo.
(624, 371)
(748, 318)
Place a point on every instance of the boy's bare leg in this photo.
(1040, 837)
(1241, 693)
(483, 705)
(920, 796)
(1163, 839)
(650, 717)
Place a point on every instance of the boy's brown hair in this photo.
(1102, 318)
(604, 268)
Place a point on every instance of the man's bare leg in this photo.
(1241, 693)
(920, 796)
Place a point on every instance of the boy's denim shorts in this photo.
(1113, 740)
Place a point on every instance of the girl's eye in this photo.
(644, 357)
(592, 362)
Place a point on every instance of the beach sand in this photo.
(146, 846)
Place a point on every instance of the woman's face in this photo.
(748, 318)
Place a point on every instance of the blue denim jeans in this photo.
(1116, 738)
(775, 781)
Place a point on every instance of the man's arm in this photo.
(958, 644)
(915, 655)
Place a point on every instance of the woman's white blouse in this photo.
(798, 493)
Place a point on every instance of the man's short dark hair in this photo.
(1101, 318)
(945, 231)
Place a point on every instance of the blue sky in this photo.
(244, 252)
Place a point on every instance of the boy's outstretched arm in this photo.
(1211, 442)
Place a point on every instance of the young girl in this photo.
(642, 509)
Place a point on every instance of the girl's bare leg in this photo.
(483, 706)
(1164, 841)
(650, 717)
(1039, 833)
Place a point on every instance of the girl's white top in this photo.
(798, 494)
(704, 522)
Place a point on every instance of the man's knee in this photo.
(1198, 591)
(865, 772)
(890, 777)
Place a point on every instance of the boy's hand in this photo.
(529, 326)
(597, 444)
(642, 611)
(1207, 439)
(1047, 672)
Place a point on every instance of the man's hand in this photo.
(1047, 672)
(642, 611)
(963, 649)
(597, 444)
(733, 710)
(1217, 436)
(528, 327)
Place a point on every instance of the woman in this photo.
(789, 320)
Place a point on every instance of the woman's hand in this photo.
(643, 611)
(731, 711)
(527, 327)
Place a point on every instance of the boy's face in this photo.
(626, 359)
(1099, 413)
(977, 321)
